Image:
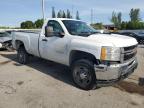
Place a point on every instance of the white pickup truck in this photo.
(94, 58)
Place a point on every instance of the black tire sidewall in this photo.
(22, 51)
(90, 66)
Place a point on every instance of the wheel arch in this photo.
(76, 55)
(19, 43)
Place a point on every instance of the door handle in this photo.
(44, 40)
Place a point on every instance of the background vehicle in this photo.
(94, 58)
(138, 36)
(6, 40)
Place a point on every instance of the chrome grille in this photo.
(129, 56)
(130, 48)
(129, 52)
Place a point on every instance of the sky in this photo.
(13, 12)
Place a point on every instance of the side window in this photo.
(55, 26)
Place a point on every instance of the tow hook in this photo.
(141, 81)
(101, 68)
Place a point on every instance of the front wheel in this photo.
(22, 55)
(83, 74)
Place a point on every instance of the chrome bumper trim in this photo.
(116, 71)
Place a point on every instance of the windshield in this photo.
(78, 28)
(5, 34)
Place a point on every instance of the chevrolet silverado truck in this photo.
(94, 59)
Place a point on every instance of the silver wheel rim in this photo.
(82, 76)
(21, 58)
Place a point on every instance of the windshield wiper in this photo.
(88, 33)
(95, 32)
(85, 32)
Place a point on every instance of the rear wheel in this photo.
(22, 55)
(83, 74)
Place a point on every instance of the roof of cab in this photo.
(60, 19)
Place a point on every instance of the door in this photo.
(53, 46)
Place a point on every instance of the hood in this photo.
(4, 39)
(116, 40)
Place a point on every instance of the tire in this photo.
(83, 74)
(22, 56)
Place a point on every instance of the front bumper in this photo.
(108, 75)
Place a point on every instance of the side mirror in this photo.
(48, 31)
(61, 34)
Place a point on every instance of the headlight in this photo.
(110, 53)
(0, 45)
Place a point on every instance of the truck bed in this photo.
(30, 40)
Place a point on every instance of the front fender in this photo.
(85, 46)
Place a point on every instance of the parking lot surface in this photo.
(44, 84)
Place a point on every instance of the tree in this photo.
(68, 14)
(23, 26)
(64, 15)
(27, 25)
(119, 18)
(97, 26)
(141, 25)
(60, 14)
(53, 12)
(39, 23)
(134, 23)
(4, 27)
(77, 15)
(116, 19)
(124, 25)
(135, 15)
(129, 25)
